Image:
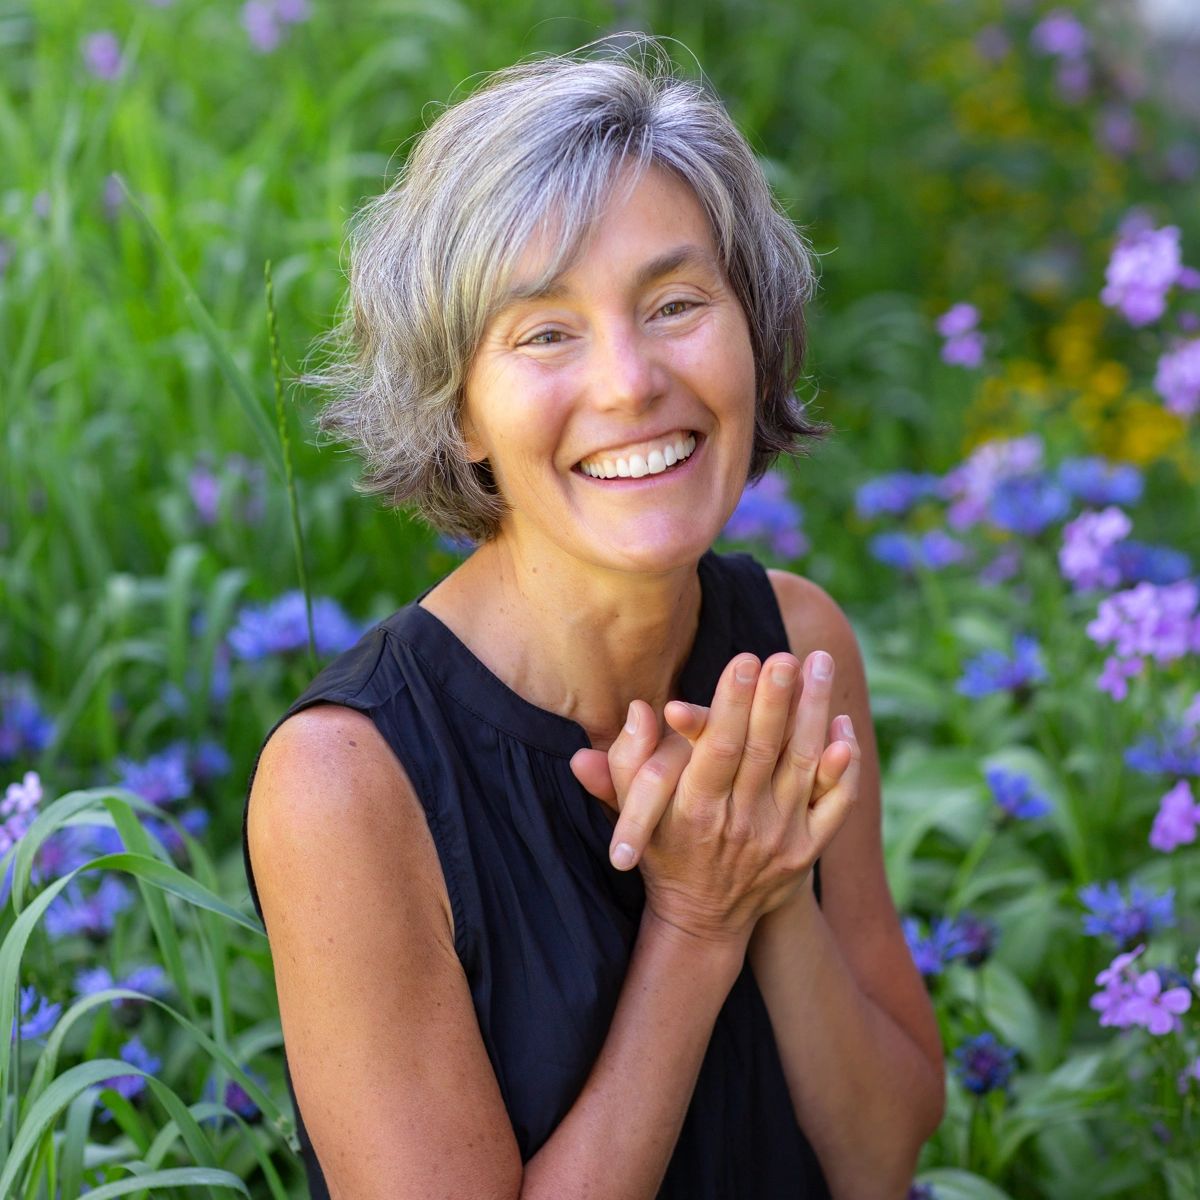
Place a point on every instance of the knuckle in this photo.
(724, 750)
(804, 759)
(759, 752)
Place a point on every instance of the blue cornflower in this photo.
(1014, 794)
(134, 1053)
(921, 1191)
(1028, 504)
(932, 953)
(1140, 561)
(894, 494)
(71, 912)
(767, 514)
(150, 980)
(37, 1015)
(1127, 922)
(163, 777)
(235, 1097)
(24, 729)
(975, 938)
(984, 1064)
(929, 551)
(1097, 482)
(993, 671)
(195, 821)
(208, 761)
(282, 626)
(1173, 750)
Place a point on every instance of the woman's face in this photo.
(641, 346)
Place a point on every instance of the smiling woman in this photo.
(571, 868)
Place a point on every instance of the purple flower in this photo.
(282, 626)
(1173, 750)
(894, 494)
(1140, 562)
(1158, 622)
(291, 12)
(1027, 504)
(994, 671)
(1145, 263)
(71, 912)
(1084, 558)
(1097, 481)
(1014, 794)
(971, 484)
(18, 809)
(1003, 566)
(984, 1064)
(1155, 1009)
(932, 953)
(1177, 379)
(1116, 980)
(161, 778)
(1115, 675)
(1126, 921)
(102, 54)
(150, 980)
(24, 729)
(966, 350)
(1060, 35)
(1119, 131)
(1177, 819)
(930, 551)
(957, 320)
(37, 1015)
(975, 939)
(205, 490)
(766, 513)
(262, 24)
(209, 761)
(136, 1055)
(114, 196)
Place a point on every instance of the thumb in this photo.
(590, 767)
(686, 719)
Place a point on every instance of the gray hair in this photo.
(432, 256)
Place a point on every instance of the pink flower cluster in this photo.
(1129, 999)
(1146, 621)
(1082, 558)
(1178, 819)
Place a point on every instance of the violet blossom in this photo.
(1144, 266)
(1083, 558)
(1177, 819)
(1177, 379)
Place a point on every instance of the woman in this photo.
(538, 857)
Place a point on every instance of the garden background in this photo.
(1003, 196)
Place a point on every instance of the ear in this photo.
(472, 448)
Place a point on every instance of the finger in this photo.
(686, 719)
(591, 768)
(767, 728)
(834, 762)
(799, 764)
(647, 799)
(827, 813)
(718, 749)
(632, 746)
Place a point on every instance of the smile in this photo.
(635, 462)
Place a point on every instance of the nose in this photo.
(627, 374)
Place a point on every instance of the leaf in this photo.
(949, 1183)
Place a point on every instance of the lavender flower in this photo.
(1177, 379)
(1126, 921)
(1073, 78)
(102, 54)
(964, 344)
(957, 320)
(894, 494)
(994, 671)
(766, 513)
(972, 483)
(24, 729)
(1084, 558)
(1014, 794)
(1155, 1009)
(37, 1016)
(1150, 621)
(17, 809)
(1116, 981)
(1145, 264)
(1027, 504)
(72, 913)
(1096, 481)
(1173, 750)
(976, 938)
(264, 20)
(984, 1064)
(161, 778)
(930, 551)
(1177, 819)
(149, 980)
(134, 1053)
(1115, 675)
(1060, 35)
(282, 626)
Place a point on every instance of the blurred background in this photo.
(1003, 198)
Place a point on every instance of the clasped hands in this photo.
(726, 813)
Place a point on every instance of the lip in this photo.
(624, 483)
(649, 437)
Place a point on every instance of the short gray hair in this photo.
(432, 256)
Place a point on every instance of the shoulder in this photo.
(812, 618)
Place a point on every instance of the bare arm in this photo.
(386, 1056)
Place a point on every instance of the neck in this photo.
(572, 638)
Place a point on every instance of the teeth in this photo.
(635, 466)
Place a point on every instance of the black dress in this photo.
(544, 926)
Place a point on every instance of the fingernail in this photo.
(783, 674)
(622, 856)
(822, 665)
(631, 721)
(744, 671)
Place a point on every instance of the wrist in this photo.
(723, 952)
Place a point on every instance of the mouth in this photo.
(642, 473)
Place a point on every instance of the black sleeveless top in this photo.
(544, 926)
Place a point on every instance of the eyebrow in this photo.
(674, 259)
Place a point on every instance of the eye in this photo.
(678, 304)
(535, 340)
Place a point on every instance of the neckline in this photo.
(474, 686)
